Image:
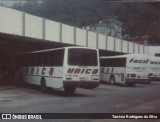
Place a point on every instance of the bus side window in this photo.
(102, 63)
(60, 57)
(31, 59)
(41, 59)
(55, 58)
(46, 59)
(37, 61)
(113, 62)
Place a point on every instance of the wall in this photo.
(20, 23)
(152, 50)
(10, 21)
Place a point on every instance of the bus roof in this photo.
(124, 56)
(58, 49)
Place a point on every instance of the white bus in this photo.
(154, 68)
(126, 69)
(68, 68)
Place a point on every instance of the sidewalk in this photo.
(149, 107)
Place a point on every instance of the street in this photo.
(141, 98)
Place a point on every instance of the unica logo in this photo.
(82, 71)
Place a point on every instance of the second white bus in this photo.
(68, 68)
(126, 69)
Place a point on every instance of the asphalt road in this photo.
(106, 98)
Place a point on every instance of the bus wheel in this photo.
(43, 85)
(112, 80)
(69, 90)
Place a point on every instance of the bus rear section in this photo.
(136, 68)
(154, 68)
(68, 68)
(81, 69)
(124, 69)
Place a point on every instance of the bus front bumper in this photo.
(129, 80)
(82, 84)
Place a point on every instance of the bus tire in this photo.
(112, 79)
(69, 90)
(43, 85)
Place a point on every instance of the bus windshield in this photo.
(82, 57)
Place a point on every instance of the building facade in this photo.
(110, 27)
